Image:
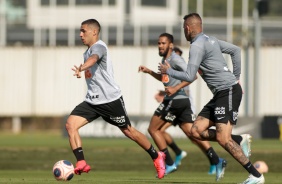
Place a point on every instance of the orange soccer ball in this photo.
(261, 166)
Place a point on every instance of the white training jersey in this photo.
(101, 86)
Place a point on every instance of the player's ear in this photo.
(171, 45)
(94, 31)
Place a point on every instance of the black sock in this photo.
(175, 148)
(237, 138)
(168, 159)
(252, 170)
(152, 152)
(78, 152)
(212, 156)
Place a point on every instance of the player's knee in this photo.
(70, 126)
(194, 133)
(189, 133)
(221, 140)
(150, 131)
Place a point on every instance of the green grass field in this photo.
(29, 158)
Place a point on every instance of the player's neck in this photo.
(168, 54)
(96, 39)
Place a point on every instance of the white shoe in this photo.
(254, 180)
(246, 144)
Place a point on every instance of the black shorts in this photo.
(176, 111)
(223, 107)
(112, 112)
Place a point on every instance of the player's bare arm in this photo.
(89, 62)
(82, 67)
(144, 69)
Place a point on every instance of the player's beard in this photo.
(163, 54)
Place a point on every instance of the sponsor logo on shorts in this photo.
(170, 117)
(235, 115)
(219, 118)
(219, 110)
(161, 106)
(119, 120)
(193, 117)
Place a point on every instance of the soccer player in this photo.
(103, 99)
(205, 57)
(180, 154)
(176, 107)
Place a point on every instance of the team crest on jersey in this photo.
(87, 74)
(165, 78)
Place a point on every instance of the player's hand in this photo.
(163, 67)
(160, 96)
(143, 69)
(170, 90)
(77, 71)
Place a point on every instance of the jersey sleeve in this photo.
(235, 53)
(98, 49)
(196, 55)
(179, 64)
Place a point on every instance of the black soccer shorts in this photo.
(223, 107)
(176, 111)
(113, 112)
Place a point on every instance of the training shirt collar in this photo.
(194, 39)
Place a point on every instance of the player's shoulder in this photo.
(204, 41)
(99, 46)
(175, 57)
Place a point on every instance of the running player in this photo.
(103, 99)
(205, 57)
(179, 153)
(176, 107)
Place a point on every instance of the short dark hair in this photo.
(177, 49)
(93, 22)
(169, 36)
(194, 15)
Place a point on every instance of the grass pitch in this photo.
(29, 158)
